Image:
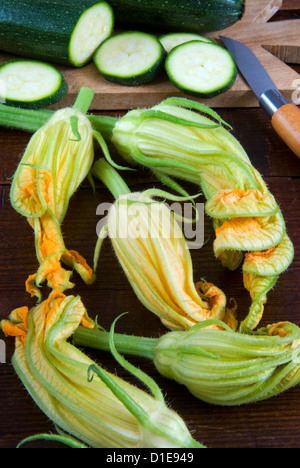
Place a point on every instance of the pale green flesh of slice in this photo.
(28, 81)
(128, 56)
(172, 40)
(92, 29)
(200, 68)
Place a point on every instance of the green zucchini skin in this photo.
(210, 95)
(42, 103)
(40, 29)
(198, 16)
(138, 80)
(179, 15)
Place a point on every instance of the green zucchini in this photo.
(201, 69)
(171, 40)
(31, 84)
(130, 58)
(53, 31)
(198, 16)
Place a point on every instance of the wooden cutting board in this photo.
(275, 44)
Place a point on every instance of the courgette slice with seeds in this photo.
(201, 68)
(130, 58)
(31, 84)
(171, 40)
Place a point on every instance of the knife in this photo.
(285, 117)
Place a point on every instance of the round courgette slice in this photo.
(171, 40)
(201, 68)
(31, 84)
(130, 58)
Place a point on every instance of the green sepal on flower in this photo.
(175, 140)
(64, 439)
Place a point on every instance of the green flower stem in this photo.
(84, 99)
(125, 344)
(103, 124)
(29, 120)
(110, 178)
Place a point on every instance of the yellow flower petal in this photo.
(155, 257)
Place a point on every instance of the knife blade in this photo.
(285, 116)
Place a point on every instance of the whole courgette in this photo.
(173, 15)
(170, 15)
(54, 31)
(178, 15)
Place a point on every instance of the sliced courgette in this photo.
(31, 84)
(53, 31)
(130, 58)
(201, 69)
(171, 40)
(93, 27)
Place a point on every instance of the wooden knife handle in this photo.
(286, 123)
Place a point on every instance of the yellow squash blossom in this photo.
(94, 406)
(57, 159)
(155, 257)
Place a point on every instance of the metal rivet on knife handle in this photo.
(286, 123)
(271, 101)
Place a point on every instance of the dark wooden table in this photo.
(273, 423)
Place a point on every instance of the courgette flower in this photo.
(57, 159)
(154, 254)
(82, 399)
(253, 232)
(216, 364)
(174, 141)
